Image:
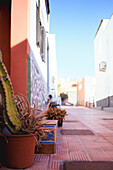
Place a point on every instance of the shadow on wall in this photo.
(18, 67)
(5, 10)
(19, 73)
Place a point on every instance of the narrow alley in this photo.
(86, 136)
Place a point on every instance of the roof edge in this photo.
(99, 26)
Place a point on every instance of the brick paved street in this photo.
(80, 147)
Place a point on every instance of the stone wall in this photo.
(38, 87)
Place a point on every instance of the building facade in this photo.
(24, 29)
(68, 87)
(86, 92)
(104, 63)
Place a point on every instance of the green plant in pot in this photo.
(20, 127)
(56, 114)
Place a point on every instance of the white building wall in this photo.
(103, 44)
(52, 65)
(35, 51)
(89, 89)
(72, 96)
(38, 67)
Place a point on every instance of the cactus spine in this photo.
(10, 113)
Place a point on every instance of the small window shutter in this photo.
(42, 48)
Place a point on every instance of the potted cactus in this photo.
(20, 127)
(56, 114)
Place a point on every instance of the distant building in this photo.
(72, 94)
(103, 45)
(68, 87)
(86, 92)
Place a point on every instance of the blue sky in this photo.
(75, 23)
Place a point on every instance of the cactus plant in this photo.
(10, 113)
(17, 114)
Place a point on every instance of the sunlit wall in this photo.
(103, 44)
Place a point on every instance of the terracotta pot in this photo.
(19, 150)
(60, 122)
(1, 151)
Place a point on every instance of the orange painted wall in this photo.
(81, 93)
(20, 15)
(5, 32)
(83, 90)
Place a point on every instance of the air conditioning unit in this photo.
(102, 66)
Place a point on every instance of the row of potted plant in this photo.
(56, 114)
(20, 127)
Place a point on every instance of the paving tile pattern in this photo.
(98, 147)
(76, 132)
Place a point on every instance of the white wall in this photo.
(38, 67)
(35, 51)
(72, 96)
(103, 45)
(89, 89)
(52, 65)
